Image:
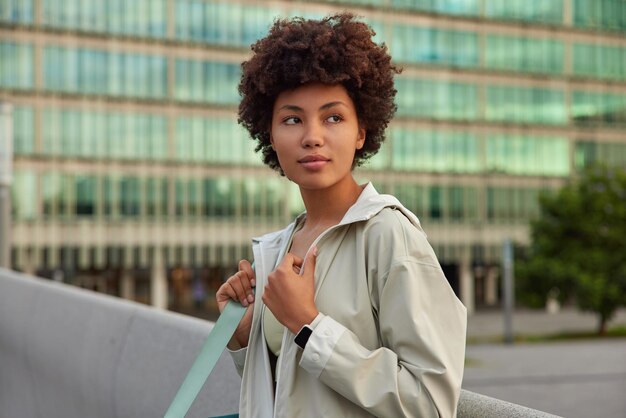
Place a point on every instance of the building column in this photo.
(158, 281)
(29, 266)
(491, 286)
(5, 227)
(466, 281)
(127, 285)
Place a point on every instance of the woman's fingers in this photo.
(240, 283)
(246, 267)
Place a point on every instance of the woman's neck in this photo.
(327, 207)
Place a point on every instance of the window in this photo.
(23, 134)
(24, 195)
(85, 195)
(16, 65)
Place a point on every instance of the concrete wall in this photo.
(67, 352)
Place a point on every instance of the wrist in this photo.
(239, 340)
(307, 319)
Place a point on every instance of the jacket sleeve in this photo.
(419, 368)
(239, 358)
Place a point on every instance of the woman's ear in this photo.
(360, 140)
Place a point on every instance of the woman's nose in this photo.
(313, 136)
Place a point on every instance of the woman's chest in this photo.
(343, 286)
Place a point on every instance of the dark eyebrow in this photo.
(332, 104)
(295, 108)
(291, 107)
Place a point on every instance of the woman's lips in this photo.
(314, 165)
(313, 162)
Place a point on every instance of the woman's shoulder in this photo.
(393, 220)
(392, 232)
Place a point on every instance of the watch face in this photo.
(303, 336)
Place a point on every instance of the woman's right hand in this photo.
(239, 287)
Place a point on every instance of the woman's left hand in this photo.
(289, 295)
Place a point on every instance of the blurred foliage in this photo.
(578, 247)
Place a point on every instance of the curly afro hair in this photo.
(335, 50)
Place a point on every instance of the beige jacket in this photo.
(391, 341)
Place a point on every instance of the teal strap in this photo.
(211, 351)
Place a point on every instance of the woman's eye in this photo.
(292, 120)
(334, 119)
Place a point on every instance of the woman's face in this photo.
(315, 133)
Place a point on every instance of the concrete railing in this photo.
(67, 352)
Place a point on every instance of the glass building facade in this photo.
(127, 149)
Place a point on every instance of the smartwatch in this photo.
(303, 336)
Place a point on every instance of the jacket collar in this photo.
(369, 203)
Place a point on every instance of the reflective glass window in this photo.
(436, 46)
(527, 156)
(183, 29)
(85, 193)
(110, 195)
(524, 54)
(275, 199)
(157, 26)
(89, 71)
(412, 196)
(591, 108)
(50, 193)
(382, 159)
(262, 199)
(16, 65)
(255, 23)
(219, 197)
(23, 130)
(435, 99)
(130, 196)
(525, 105)
(216, 140)
(24, 195)
(545, 11)
(180, 187)
(599, 61)
(16, 11)
(151, 196)
(599, 14)
(103, 135)
(50, 137)
(512, 205)
(454, 7)
(66, 197)
(456, 203)
(434, 151)
(193, 197)
(228, 24)
(136, 18)
(252, 198)
(206, 81)
(588, 153)
(435, 202)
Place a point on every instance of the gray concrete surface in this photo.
(574, 379)
(71, 353)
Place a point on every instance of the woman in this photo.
(352, 315)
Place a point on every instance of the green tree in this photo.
(579, 245)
